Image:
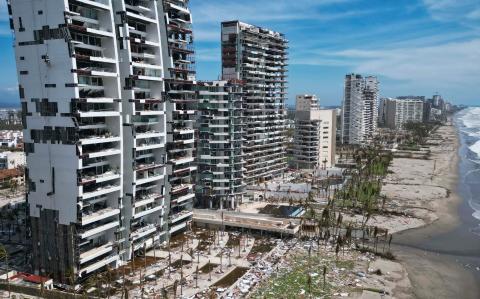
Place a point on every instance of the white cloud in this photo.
(10, 89)
(450, 65)
(209, 15)
(257, 10)
(474, 15)
(455, 11)
(3, 11)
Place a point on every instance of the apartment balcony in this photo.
(182, 49)
(147, 74)
(92, 177)
(101, 214)
(141, 41)
(178, 227)
(98, 139)
(185, 170)
(143, 232)
(95, 252)
(149, 134)
(183, 199)
(86, 204)
(147, 211)
(101, 4)
(139, 15)
(143, 55)
(184, 131)
(149, 143)
(146, 199)
(148, 243)
(89, 53)
(149, 107)
(140, 6)
(98, 265)
(181, 188)
(101, 190)
(149, 112)
(97, 229)
(96, 150)
(105, 152)
(146, 67)
(85, 27)
(92, 125)
(88, 87)
(180, 216)
(96, 72)
(144, 120)
(147, 166)
(181, 160)
(149, 176)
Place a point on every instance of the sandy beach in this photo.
(427, 191)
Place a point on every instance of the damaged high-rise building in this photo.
(258, 57)
(107, 96)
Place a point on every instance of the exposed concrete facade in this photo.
(220, 148)
(181, 103)
(258, 57)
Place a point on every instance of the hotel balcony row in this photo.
(141, 10)
(149, 175)
(180, 216)
(91, 17)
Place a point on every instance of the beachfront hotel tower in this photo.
(359, 109)
(104, 87)
(220, 150)
(181, 112)
(395, 113)
(258, 57)
(314, 139)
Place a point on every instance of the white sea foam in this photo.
(476, 207)
(476, 215)
(471, 119)
(476, 148)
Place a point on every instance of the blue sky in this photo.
(415, 47)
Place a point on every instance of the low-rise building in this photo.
(27, 280)
(315, 134)
(10, 160)
(11, 138)
(11, 177)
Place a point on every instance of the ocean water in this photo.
(468, 123)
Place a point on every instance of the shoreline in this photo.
(434, 269)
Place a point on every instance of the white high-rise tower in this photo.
(98, 117)
(359, 109)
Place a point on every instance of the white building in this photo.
(359, 109)
(10, 138)
(314, 143)
(395, 113)
(92, 85)
(258, 57)
(10, 160)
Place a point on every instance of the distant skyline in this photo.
(417, 47)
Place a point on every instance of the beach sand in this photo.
(427, 189)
